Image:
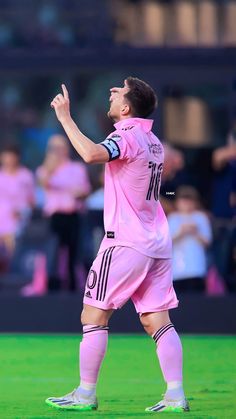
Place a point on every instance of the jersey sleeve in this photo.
(118, 147)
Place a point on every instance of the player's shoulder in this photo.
(115, 136)
(122, 132)
(117, 139)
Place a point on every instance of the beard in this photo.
(110, 115)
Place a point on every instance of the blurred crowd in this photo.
(204, 239)
(202, 23)
(52, 220)
(52, 210)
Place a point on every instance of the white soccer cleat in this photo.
(71, 402)
(173, 406)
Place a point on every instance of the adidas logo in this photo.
(88, 294)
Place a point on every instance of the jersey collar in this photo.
(146, 124)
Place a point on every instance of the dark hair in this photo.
(11, 148)
(141, 97)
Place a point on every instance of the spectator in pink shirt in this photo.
(16, 195)
(66, 185)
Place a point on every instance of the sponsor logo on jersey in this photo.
(110, 234)
(155, 149)
(127, 128)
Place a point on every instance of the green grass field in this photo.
(34, 367)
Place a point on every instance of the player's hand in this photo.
(61, 104)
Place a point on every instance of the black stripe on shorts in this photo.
(103, 274)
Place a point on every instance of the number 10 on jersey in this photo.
(155, 180)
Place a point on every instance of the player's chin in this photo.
(112, 115)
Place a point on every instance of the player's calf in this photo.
(92, 351)
(169, 353)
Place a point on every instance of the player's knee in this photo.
(92, 315)
(154, 321)
(145, 321)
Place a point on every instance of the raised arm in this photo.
(87, 149)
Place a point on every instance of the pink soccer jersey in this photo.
(133, 215)
(64, 185)
(17, 194)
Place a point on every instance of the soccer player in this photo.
(134, 260)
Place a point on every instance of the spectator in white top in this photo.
(191, 234)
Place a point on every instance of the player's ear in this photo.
(125, 109)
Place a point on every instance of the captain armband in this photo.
(112, 148)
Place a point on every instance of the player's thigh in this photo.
(114, 276)
(156, 293)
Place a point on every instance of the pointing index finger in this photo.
(65, 91)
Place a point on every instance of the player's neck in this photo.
(122, 118)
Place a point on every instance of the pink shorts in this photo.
(120, 273)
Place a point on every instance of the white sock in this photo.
(174, 390)
(86, 392)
